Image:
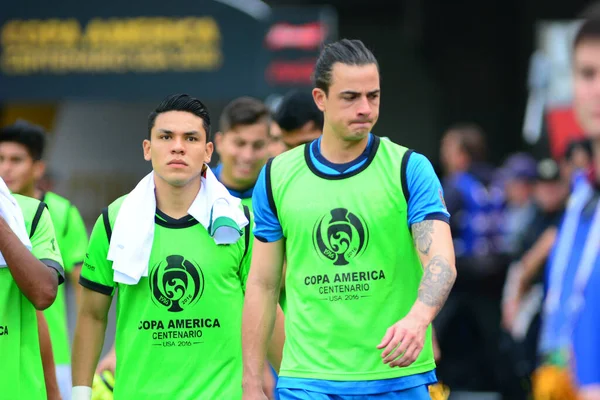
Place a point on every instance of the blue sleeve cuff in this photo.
(425, 194)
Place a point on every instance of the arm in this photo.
(404, 340)
(89, 335)
(35, 280)
(260, 309)
(96, 296)
(74, 277)
(534, 259)
(47, 358)
(428, 218)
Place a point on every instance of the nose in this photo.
(178, 145)
(364, 107)
(247, 154)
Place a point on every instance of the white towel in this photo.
(12, 214)
(133, 233)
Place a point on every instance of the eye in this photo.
(374, 96)
(192, 139)
(164, 137)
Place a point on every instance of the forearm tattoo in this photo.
(438, 279)
(422, 233)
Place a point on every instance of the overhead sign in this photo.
(119, 52)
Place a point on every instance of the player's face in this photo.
(177, 147)
(276, 145)
(243, 151)
(351, 106)
(586, 87)
(451, 153)
(18, 169)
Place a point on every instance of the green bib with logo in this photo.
(178, 331)
(352, 269)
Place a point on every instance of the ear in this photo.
(320, 98)
(209, 151)
(218, 142)
(146, 147)
(39, 168)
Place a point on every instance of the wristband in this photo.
(81, 393)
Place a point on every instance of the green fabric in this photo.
(72, 240)
(21, 373)
(178, 331)
(352, 269)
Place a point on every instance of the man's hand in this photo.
(403, 341)
(108, 363)
(254, 393)
(509, 312)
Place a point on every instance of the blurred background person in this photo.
(276, 145)
(242, 145)
(518, 174)
(524, 289)
(21, 166)
(474, 205)
(299, 119)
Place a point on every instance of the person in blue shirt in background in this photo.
(475, 202)
(574, 276)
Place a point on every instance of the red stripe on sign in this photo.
(290, 72)
(562, 128)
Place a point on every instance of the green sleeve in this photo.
(97, 272)
(44, 246)
(247, 258)
(75, 240)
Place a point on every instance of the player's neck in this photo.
(231, 183)
(173, 200)
(31, 192)
(340, 151)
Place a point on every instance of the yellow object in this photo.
(550, 382)
(439, 392)
(102, 386)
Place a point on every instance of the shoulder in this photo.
(52, 198)
(114, 207)
(29, 206)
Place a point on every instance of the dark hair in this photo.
(181, 102)
(243, 111)
(582, 144)
(345, 51)
(471, 140)
(33, 137)
(296, 109)
(590, 29)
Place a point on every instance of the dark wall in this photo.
(444, 62)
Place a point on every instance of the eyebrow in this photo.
(352, 92)
(169, 132)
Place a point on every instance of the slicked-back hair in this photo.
(181, 102)
(345, 51)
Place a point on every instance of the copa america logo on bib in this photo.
(176, 283)
(340, 236)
